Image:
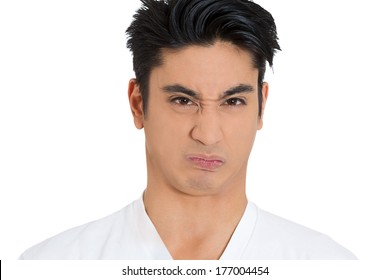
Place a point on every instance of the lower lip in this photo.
(205, 164)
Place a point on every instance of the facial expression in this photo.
(202, 118)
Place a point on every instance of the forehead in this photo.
(206, 68)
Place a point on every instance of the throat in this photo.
(198, 237)
(195, 228)
(188, 244)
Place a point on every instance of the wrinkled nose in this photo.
(207, 129)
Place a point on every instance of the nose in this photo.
(207, 129)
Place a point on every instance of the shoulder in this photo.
(284, 239)
(82, 242)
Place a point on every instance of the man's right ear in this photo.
(136, 103)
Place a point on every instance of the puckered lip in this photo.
(206, 162)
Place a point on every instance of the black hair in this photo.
(174, 24)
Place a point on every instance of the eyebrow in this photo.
(177, 88)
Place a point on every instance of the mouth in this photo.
(205, 162)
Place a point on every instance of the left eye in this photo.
(235, 102)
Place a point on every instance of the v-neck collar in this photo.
(158, 251)
(241, 235)
(148, 234)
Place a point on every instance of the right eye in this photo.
(184, 101)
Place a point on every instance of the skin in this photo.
(200, 127)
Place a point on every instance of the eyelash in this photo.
(188, 102)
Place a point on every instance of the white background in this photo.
(69, 151)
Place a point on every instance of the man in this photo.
(199, 95)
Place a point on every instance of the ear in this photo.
(136, 103)
(264, 93)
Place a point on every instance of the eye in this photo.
(235, 102)
(182, 101)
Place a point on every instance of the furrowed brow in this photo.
(176, 88)
(241, 88)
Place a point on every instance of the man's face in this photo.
(202, 118)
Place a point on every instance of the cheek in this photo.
(165, 132)
(243, 138)
(240, 134)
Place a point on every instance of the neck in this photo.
(195, 227)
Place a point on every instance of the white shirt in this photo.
(129, 234)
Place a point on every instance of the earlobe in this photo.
(136, 103)
(264, 92)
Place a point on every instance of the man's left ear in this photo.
(264, 93)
